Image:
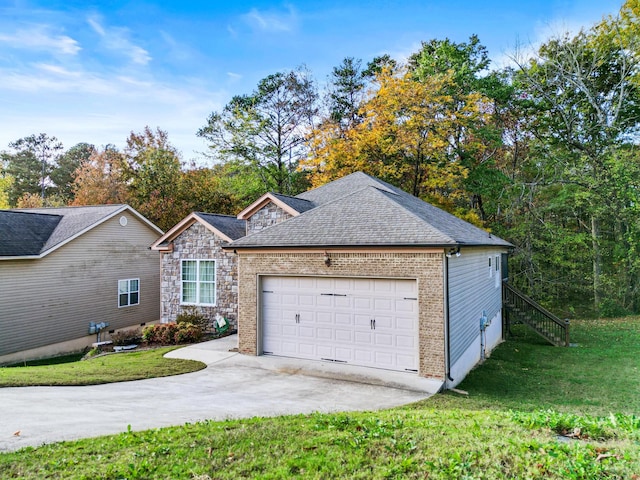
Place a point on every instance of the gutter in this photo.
(447, 325)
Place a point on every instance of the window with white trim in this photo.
(490, 268)
(128, 292)
(198, 282)
(497, 267)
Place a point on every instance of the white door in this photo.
(360, 321)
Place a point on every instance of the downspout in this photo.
(446, 315)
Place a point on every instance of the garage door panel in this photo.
(362, 321)
(405, 341)
(383, 340)
(324, 333)
(344, 354)
(363, 338)
(324, 351)
(342, 335)
(331, 318)
(342, 319)
(363, 356)
(384, 359)
(342, 302)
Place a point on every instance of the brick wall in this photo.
(199, 243)
(269, 215)
(427, 268)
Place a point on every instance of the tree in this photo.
(101, 180)
(153, 175)
(587, 104)
(346, 93)
(62, 174)
(5, 185)
(32, 162)
(267, 129)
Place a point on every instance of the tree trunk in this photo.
(597, 262)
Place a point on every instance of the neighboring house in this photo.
(62, 268)
(356, 271)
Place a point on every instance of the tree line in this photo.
(544, 153)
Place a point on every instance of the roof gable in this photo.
(73, 222)
(292, 205)
(227, 227)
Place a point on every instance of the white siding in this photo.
(472, 290)
(53, 299)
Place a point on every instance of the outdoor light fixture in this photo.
(453, 251)
(327, 259)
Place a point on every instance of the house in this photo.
(195, 270)
(356, 271)
(63, 268)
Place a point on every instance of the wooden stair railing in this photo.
(520, 308)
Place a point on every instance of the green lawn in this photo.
(507, 427)
(111, 368)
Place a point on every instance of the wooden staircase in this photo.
(518, 308)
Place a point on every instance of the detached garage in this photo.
(360, 272)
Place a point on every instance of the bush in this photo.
(172, 333)
(188, 333)
(126, 337)
(191, 315)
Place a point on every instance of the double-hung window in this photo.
(198, 282)
(128, 292)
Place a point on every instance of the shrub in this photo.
(126, 337)
(172, 333)
(188, 333)
(193, 316)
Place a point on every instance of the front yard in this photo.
(533, 411)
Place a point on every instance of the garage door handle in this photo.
(373, 324)
(297, 318)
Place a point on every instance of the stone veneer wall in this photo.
(269, 215)
(199, 243)
(427, 268)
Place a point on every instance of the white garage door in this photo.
(360, 321)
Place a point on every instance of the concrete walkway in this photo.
(232, 386)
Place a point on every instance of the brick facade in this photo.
(199, 243)
(427, 268)
(269, 215)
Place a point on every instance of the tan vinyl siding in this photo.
(53, 299)
(471, 291)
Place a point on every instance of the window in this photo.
(490, 269)
(198, 281)
(497, 266)
(128, 292)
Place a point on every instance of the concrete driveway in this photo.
(232, 386)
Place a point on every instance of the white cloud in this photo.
(234, 77)
(99, 107)
(272, 22)
(117, 40)
(39, 38)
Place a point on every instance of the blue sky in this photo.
(93, 71)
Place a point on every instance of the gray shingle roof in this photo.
(71, 221)
(231, 226)
(25, 234)
(300, 205)
(359, 210)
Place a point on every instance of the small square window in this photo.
(128, 292)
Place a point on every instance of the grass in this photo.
(507, 427)
(121, 367)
